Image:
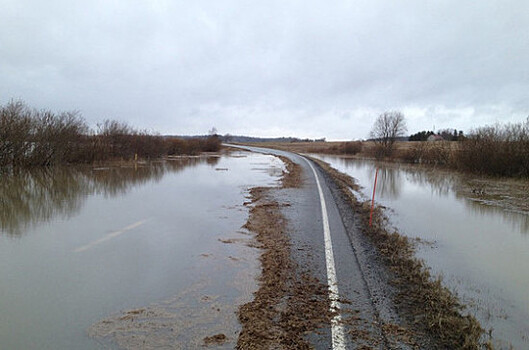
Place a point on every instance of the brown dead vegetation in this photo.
(215, 339)
(30, 138)
(289, 303)
(424, 302)
(497, 150)
(292, 176)
(500, 150)
(343, 148)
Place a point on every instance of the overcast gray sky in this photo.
(269, 68)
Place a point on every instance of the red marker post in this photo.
(373, 200)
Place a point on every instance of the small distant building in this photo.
(435, 137)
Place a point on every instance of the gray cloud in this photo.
(304, 68)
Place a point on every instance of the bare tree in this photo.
(387, 128)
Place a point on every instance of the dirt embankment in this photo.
(422, 300)
(289, 303)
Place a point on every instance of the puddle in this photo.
(87, 250)
(477, 234)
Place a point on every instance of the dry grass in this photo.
(425, 303)
(497, 150)
(216, 339)
(344, 148)
(357, 149)
(432, 153)
(292, 176)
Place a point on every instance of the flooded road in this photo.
(479, 243)
(80, 245)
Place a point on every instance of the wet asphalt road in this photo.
(360, 278)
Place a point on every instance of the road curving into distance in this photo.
(326, 240)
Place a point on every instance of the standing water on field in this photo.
(474, 233)
(86, 254)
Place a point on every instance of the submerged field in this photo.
(151, 254)
(471, 231)
(84, 248)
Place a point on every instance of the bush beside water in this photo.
(30, 137)
(497, 150)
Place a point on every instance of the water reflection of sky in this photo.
(481, 249)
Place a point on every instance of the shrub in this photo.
(179, 146)
(40, 138)
(352, 147)
(499, 150)
(30, 137)
(211, 144)
(434, 153)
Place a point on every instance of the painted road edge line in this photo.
(338, 337)
(109, 236)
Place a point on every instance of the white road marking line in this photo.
(109, 236)
(338, 337)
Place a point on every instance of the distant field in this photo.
(365, 149)
(501, 150)
(302, 147)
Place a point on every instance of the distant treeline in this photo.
(251, 139)
(497, 150)
(30, 137)
(446, 134)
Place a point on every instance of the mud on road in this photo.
(410, 307)
(290, 303)
(292, 308)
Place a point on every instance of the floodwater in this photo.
(81, 245)
(478, 243)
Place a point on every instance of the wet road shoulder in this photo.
(359, 322)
